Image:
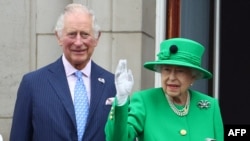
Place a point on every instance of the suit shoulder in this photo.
(43, 70)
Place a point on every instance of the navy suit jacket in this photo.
(44, 109)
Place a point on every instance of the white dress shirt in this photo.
(70, 70)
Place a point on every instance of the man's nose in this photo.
(79, 39)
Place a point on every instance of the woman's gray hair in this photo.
(73, 8)
(197, 74)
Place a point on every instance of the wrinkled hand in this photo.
(124, 81)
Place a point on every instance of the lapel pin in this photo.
(101, 80)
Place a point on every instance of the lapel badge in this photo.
(102, 80)
(203, 104)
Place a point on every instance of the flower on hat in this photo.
(163, 55)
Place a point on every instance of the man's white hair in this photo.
(74, 7)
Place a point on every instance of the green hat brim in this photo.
(152, 66)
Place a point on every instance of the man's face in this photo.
(77, 39)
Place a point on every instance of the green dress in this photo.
(149, 117)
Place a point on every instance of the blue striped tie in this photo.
(81, 105)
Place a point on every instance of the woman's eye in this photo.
(167, 70)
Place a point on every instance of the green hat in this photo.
(180, 52)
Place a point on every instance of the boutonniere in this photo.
(203, 104)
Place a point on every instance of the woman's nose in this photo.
(172, 75)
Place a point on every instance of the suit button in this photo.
(183, 132)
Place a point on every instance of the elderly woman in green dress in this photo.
(172, 112)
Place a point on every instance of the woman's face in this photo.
(176, 80)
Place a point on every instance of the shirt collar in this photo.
(69, 69)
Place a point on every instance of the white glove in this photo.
(124, 82)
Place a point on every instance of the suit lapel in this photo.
(59, 82)
(97, 86)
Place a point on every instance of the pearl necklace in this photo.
(181, 112)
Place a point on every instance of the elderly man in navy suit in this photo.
(44, 109)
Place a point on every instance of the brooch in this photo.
(203, 104)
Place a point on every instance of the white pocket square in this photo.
(109, 101)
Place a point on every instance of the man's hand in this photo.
(124, 82)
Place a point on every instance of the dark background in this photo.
(235, 62)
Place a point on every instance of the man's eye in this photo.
(84, 35)
(72, 34)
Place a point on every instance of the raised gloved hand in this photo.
(124, 82)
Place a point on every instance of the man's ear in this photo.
(97, 39)
(99, 35)
(58, 38)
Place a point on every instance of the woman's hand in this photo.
(124, 82)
